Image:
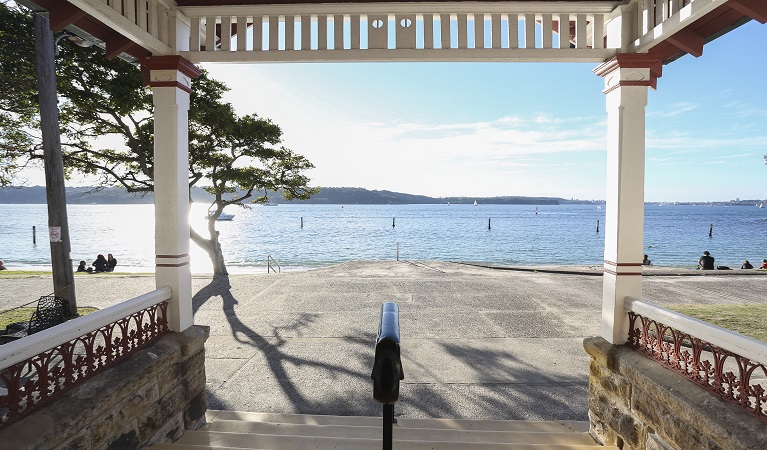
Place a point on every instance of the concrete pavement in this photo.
(477, 342)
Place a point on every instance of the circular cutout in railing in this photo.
(405, 23)
(378, 23)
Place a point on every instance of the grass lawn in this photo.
(749, 320)
(23, 314)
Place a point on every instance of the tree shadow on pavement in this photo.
(497, 384)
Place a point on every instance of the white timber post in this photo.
(170, 78)
(627, 79)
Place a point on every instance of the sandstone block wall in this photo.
(151, 397)
(636, 404)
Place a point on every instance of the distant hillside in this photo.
(328, 196)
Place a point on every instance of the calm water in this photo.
(674, 235)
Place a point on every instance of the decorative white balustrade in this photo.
(149, 15)
(387, 32)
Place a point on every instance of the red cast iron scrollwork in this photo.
(720, 371)
(32, 383)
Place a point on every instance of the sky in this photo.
(531, 129)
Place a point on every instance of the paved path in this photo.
(476, 342)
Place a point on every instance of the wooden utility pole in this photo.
(58, 227)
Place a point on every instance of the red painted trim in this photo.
(623, 273)
(688, 41)
(171, 62)
(623, 264)
(173, 265)
(63, 14)
(631, 61)
(116, 44)
(755, 9)
(184, 255)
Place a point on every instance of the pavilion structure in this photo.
(629, 42)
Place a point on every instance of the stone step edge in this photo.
(314, 442)
(346, 431)
(209, 447)
(404, 422)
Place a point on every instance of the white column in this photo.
(627, 79)
(170, 78)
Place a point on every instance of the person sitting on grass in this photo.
(100, 264)
(2, 266)
(764, 264)
(746, 265)
(111, 263)
(646, 261)
(81, 267)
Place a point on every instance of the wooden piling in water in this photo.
(597, 225)
(710, 230)
(488, 223)
(34, 235)
(392, 222)
(302, 222)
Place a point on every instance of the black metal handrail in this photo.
(387, 368)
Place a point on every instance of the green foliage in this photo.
(99, 98)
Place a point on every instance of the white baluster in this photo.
(129, 10)
(356, 32)
(463, 33)
(599, 31)
(226, 33)
(580, 31)
(210, 33)
(162, 24)
(444, 27)
(194, 34)
(428, 31)
(306, 32)
(564, 30)
(290, 32)
(546, 31)
(338, 32)
(529, 30)
(479, 30)
(513, 22)
(495, 30)
(153, 24)
(242, 33)
(142, 12)
(322, 32)
(405, 30)
(274, 33)
(258, 33)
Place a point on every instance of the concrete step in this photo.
(400, 433)
(198, 440)
(446, 424)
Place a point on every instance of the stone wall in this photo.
(151, 397)
(636, 404)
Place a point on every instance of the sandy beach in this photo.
(477, 342)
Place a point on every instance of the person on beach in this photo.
(706, 262)
(81, 267)
(2, 266)
(746, 265)
(100, 264)
(646, 261)
(111, 263)
(764, 264)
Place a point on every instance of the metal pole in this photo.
(58, 227)
(34, 235)
(388, 420)
(397, 250)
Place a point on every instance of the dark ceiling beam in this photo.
(63, 14)
(116, 44)
(689, 41)
(755, 9)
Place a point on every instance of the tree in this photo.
(18, 84)
(99, 97)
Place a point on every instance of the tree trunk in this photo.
(212, 247)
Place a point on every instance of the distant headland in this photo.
(326, 196)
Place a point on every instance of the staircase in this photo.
(229, 430)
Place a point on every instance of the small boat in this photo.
(223, 216)
(761, 205)
(271, 204)
(475, 203)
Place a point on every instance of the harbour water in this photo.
(675, 235)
